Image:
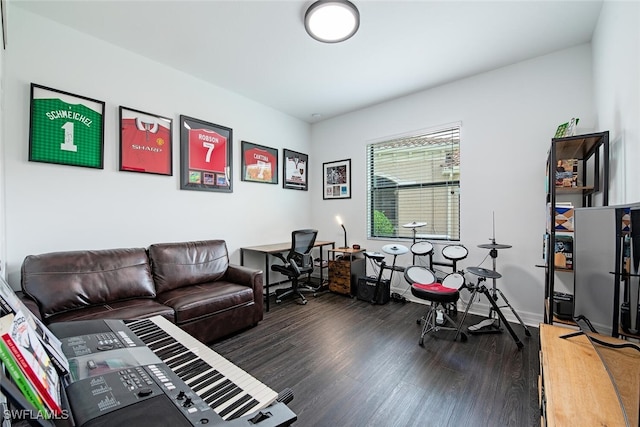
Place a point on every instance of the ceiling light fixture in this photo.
(332, 21)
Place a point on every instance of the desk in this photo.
(276, 248)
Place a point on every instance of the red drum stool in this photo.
(424, 286)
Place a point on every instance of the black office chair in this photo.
(298, 262)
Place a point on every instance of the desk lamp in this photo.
(345, 232)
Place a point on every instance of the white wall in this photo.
(508, 119)
(616, 57)
(54, 207)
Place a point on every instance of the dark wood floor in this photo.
(353, 364)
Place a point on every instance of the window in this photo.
(415, 179)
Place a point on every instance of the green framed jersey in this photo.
(66, 129)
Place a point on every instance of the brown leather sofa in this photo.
(191, 283)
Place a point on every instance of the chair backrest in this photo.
(302, 242)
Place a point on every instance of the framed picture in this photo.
(337, 179)
(259, 163)
(145, 142)
(205, 156)
(295, 170)
(66, 129)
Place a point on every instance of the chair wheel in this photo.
(463, 337)
(418, 321)
(527, 332)
(278, 301)
(421, 342)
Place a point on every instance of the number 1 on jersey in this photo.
(68, 144)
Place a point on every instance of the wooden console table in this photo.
(277, 248)
(575, 388)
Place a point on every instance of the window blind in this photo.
(415, 179)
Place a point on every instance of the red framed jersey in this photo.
(145, 146)
(207, 150)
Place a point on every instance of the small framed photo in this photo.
(66, 129)
(259, 163)
(145, 142)
(295, 170)
(205, 156)
(337, 179)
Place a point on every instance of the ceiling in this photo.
(259, 49)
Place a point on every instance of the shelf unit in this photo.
(625, 271)
(592, 153)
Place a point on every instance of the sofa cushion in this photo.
(129, 309)
(206, 299)
(176, 265)
(63, 281)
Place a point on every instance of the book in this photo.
(33, 360)
(18, 377)
(10, 303)
(561, 130)
(564, 217)
(567, 129)
(567, 173)
(563, 257)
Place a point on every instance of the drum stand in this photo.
(394, 250)
(492, 325)
(480, 287)
(413, 225)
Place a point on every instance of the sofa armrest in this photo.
(31, 304)
(250, 277)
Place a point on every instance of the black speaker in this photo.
(562, 305)
(367, 290)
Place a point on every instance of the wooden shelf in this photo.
(562, 270)
(627, 334)
(577, 147)
(561, 322)
(576, 190)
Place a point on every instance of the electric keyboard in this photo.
(150, 371)
(230, 391)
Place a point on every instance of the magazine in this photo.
(14, 371)
(33, 360)
(10, 303)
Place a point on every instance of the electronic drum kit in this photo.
(455, 280)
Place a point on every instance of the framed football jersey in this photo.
(294, 170)
(145, 142)
(66, 129)
(259, 163)
(205, 156)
